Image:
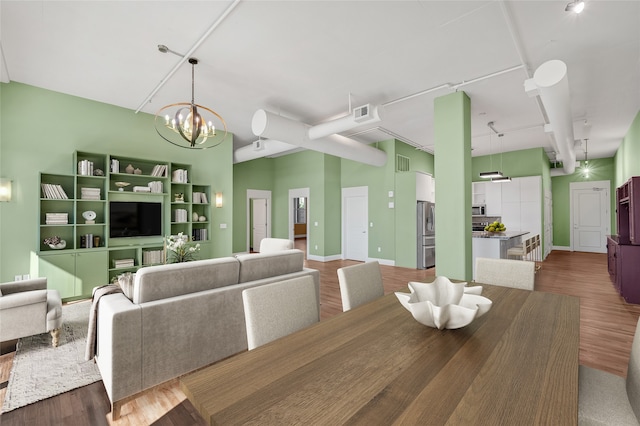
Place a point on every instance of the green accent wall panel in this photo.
(40, 132)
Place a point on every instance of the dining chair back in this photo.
(506, 272)
(360, 284)
(605, 398)
(275, 310)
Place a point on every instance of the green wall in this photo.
(394, 230)
(627, 159)
(41, 129)
(601, 169)
(526, 162)
(257, 174)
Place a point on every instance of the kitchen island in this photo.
(494, 244)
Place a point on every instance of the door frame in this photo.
(355, 191)
(299, 193)
(257, 193)
(602, 184)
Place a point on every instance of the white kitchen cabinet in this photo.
(494, 199)
(478, 193)
(425, 187)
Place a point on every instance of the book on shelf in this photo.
(57, 218)
(115, 166)
(180, 215)
(85, 168)
(199, 198)
(179, 176)
(155, 187)
(141, 189)
(123, 263)
(86, 241)
(89, 193)
(151, 257)
(199, 234)
(159, 170)
(53, 192)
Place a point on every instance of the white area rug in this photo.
(40, 371)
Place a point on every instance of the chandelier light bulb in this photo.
(196, 130)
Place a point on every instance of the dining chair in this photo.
(506, 272)
(270, 245)
(275, 310)
(607, 399)
(360, 284)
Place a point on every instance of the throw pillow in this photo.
(125, 281)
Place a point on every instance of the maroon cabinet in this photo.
(623, 250)
(628, 211)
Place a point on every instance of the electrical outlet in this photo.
(26, 276)
(223, 226)
(316, 247)
(379, 249)
(17, 278)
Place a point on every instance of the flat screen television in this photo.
(134, 219)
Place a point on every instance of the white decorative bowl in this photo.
(62, 244)
(444, 304)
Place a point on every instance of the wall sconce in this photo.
(5, 189)
(218, 199)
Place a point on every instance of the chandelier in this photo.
(189, 125)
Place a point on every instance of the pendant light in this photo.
(500, 179)
(586, 169)
(190, 125)
(492, 174)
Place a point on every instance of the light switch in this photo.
(315, 223)
(371, 225)
(223, 226)
(390, 194)
(391, 205)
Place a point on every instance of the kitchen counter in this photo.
(494, 244)
(506, 235)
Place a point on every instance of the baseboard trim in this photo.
(324, 258)
(562, 248)
(387, 262)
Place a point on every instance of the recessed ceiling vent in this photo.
(403, 164)
(362, 113)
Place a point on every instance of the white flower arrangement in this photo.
(180, 250)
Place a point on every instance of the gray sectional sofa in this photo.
(181, 317)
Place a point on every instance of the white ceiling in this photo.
(309, 59)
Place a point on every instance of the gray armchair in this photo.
(28, 308)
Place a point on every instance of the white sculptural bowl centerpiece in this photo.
(444, 304)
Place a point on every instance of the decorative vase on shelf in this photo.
(137, 172)
(129, 169)
(195, 216)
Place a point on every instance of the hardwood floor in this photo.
(607, 326)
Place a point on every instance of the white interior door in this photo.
(355, 216)
(259, 209)
(590, 216)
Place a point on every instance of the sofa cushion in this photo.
(164, 281)
(264, 265)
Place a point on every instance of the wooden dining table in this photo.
(376, 365)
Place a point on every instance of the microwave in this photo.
(479, 210)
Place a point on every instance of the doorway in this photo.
(355, 219)
(299, 214)
(258, 217)
(590, 216)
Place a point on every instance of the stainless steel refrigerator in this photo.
(426, 234)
